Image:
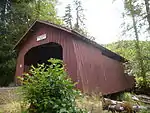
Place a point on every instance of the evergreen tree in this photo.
(68, 16)
(15, 17)
(80, 17)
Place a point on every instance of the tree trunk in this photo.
(138, 50)
(148, 12)
(77, 18)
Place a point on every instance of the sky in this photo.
(103, 18)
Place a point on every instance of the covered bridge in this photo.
(92, 66)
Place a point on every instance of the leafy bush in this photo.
(125, 96)
(48, 89)
(141, 83)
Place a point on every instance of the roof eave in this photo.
(82, 37)
(21, 39)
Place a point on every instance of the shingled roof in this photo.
(104, 50)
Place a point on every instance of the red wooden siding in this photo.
(85, 63)
(98, 71)
(53, 35)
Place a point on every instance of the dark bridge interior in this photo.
(41, 54)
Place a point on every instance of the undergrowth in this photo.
(48, 89)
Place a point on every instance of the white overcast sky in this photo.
(103, 18)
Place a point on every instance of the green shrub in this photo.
(48, 89)
(140, 83)
(125, 96)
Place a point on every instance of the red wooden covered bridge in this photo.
(88, 63)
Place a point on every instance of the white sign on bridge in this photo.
(41, 37)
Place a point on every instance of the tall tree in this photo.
(10, 16)
(80, 17)
(79, 25)
(45, 10)
(143, 12)
(68, 16)
(15, 17)
(133, 11)
(147, 7)
(135, 24)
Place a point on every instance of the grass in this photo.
(11, 102)
(8, 95)
(90, 103)
(13, 107)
